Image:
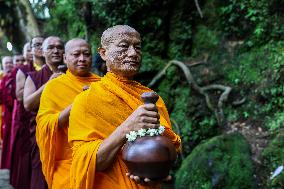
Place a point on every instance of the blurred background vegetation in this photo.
(238, 44)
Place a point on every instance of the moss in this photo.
(221, 162)
(273, 156)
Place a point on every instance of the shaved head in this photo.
(115, 32)
(7, 64)
(73, 43)
(46, 41)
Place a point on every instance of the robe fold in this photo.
(55, 152)
(37, 179)
(95, 114)
(7, 93)
(20, 141)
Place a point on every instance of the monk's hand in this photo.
(145, 116)
(147, 180)
(55, 75)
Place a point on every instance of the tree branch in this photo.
(198, 8)
(218, 111)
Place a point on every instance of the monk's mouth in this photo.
(131, 62)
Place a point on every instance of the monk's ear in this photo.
(64, 58)
(102, 52)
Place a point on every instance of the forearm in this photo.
(19, 94)
(109, 148)
(31, 102)
(64, 117)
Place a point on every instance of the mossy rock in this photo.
(221, 162)
(273, 157)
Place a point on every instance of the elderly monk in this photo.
(53, 115)
(6, 98)
(52, 49)
(20, 163)
(102, 116)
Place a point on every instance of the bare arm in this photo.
(20, 84)
(144, 116)
(64, 117)
(31, 96)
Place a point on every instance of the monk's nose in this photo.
(131, 51)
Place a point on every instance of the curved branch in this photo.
(198, 8)
(201, 90)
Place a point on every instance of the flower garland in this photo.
(132, 136)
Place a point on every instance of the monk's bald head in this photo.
(7, 64)
(74, 43)
(78, 57)
(113, 33)
(27, 52)
(49, 40)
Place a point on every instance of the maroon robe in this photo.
(37, 179)
(20, 172)
(7, 94)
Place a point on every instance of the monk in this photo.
(34, 86)
(6, 98)
(20, 163)
(53, 115)
(101, 117)
(18, 61)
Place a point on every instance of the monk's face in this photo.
(7, 63)
(36, 47)
(123, 54)
(18, 60)
(78, 58)
(27, 53)
(53, 51)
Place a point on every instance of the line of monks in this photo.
(66, 130)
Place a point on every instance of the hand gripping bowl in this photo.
(149, 156)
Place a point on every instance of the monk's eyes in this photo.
(138, 48)
(123, 45)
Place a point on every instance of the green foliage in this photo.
(205, 40)
(221, 162)
(255, 21)
(273, 156)
(65, 22)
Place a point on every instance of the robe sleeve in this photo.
(84, 145)
(46, 129)
(165, 121)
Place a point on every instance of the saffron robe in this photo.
(55, 152)
(7, 93)
(37, 179)
(95, 114)
(20, 141)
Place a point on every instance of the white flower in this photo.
(132, 136)
(161, 129)
(141, 132)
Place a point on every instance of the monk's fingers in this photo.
(153, 114)
(146, 119)
(150, 107)
(151, 126)
(128, 174)
(131, 177)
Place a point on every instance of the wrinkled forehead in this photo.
(121, 35)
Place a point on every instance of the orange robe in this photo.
(95, 114)
(55, 152)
